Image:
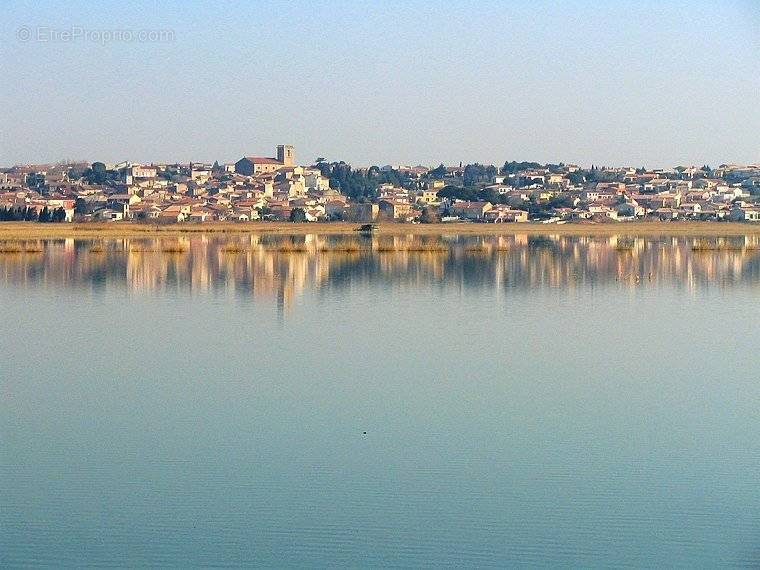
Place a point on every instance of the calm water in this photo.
(572, 402)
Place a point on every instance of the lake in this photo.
(323, 401)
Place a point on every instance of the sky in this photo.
(638, 83)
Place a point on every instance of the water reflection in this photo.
(283, 267)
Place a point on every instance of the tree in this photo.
(430, 215)
(563, 200)
(488, 195)
(171, 171)
(44, 215)
(97, 173)
(59, 215)
(337, 216)
(356, 184)
(6, 214)
(448, 192)
(35, 180)
(458, 193)
(80, 206)
(477, 174)
(438, 172)
(298, 215)
(75, 173)
(512, 167)
(30, 215)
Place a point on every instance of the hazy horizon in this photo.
(635, 84)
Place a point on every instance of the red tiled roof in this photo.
(262, 160)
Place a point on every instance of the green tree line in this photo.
(29, 214)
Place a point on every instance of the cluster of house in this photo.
(250, 189)
(682, 197)
(272, 188)
(730, 192)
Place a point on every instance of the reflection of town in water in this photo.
(281, 268)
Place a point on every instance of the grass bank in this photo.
(32, 230)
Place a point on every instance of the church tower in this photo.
(285, 154)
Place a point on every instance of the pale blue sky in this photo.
(403, 82)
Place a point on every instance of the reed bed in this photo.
(697, 248)
(706, 246)
(288, 248)
(487, 247)
(481, 248)
(20, 248)
(343, 248)
(166, 249)
(413, 248)
(31, 230)
(234, 249)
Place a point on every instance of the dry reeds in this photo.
(234, 248)
(698, 248)
(33, 230)
(480, 248)
(170, 249)
(413, 248)
(708, 246)
(343, 248)
(289, 248)
(20, 248)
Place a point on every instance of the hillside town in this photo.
(258, 188)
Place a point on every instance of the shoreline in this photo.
(35, 230)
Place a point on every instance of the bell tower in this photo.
(286, 154)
